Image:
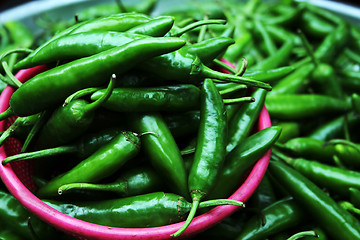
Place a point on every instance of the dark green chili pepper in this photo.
(116, 22)
(81, 148)
(302, 106)
(183, 124)
(71, 121)
(335, 128)
(185, 67)
(101, 164)
(210, 151)
(335, 221)
(281, 35)
(54, 85)
(289, 130)
(242, 158)
(294, 82)
(167, 98)
(156, 27)
(280, 216)
(354, 196)
(19, 128)
(336, 180)
(278, 59)
(130, 183)
(323, 77)
(147, 210)
(162, 150)
(243, 121)
(209, 49)
(264, 195)
(348, 155)
(315, 26)
(287, 17)
(271, 75)
(310, 148)
(15, 218)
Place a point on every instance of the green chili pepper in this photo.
(183, 124)
(20, 128)
(209, 49)
(354, 196)
(302, 106)
(81, 148)
(185, 67)
(264, 195)
(278, 59)
(56, 84)
(116, 22)
(130, 183)
(281, 215)
(104, 162)
(147, 210)
(210, 151)
(20, 34)
(70, 121)
(315, 26)
(310, 148)
(335, 221)
(15, 218)
(270, 46)
(156, 27)
(167, 98)
(334, 179)
(289, 130)
(335, 127)
(271, 75)
(243, 121)
(242, 158)
(348, 155)
(162, 150)
(294, 82)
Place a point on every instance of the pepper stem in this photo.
(79, 94)
(40, 154)
(308, 48)
(44, 116)
(218, 202)
(13, 80)
(118, 187)
(94, 105)
(190, 217)
(303, 234)
(239, 100)
(207, 72)
(193, 25)
(6, 114)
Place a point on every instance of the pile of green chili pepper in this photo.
(156, 110)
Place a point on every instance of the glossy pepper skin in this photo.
(116, 22)
(15, 217)
(280, 216)
(242, 158)
(302, 106)
(336, 180)
(81, 148)
(210, 151)
(104, 162)
(53, 86)
(133, 182)
(166, 98)
(148, 210)
(244, 119)
(333, 219)
(162, 150)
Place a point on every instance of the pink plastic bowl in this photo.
(17, 178)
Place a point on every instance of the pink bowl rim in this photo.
(93, 231)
